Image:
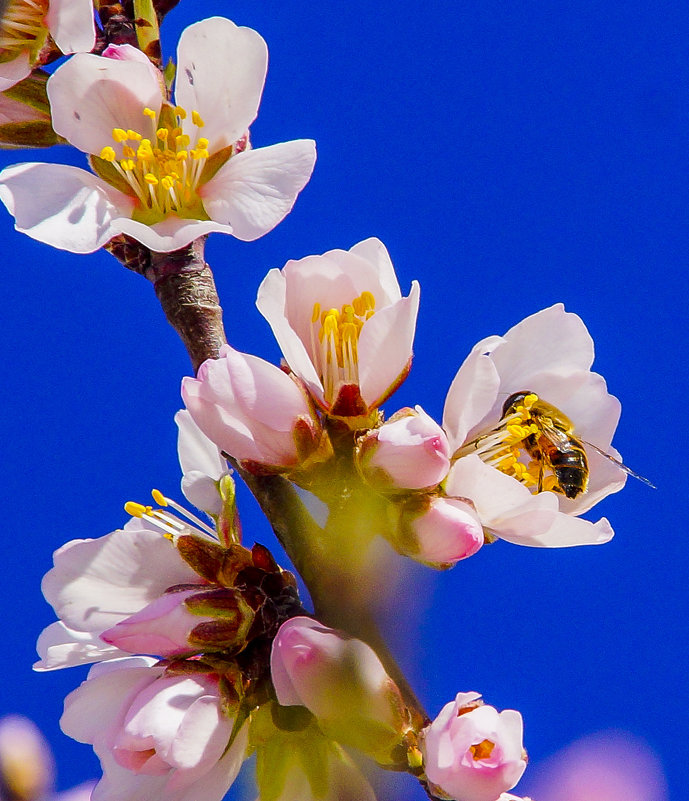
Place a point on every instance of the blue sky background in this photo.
(510, 156)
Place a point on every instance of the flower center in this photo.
(504, 447)
(22, 27)
(164, 168)
(482, 750)
(335, 340)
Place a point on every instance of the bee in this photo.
(552, 443)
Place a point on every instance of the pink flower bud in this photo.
(162, 628)
(252, 410)
(342, 682)
(472, 752)
(204, 619)
(440, 532)
(410, 451)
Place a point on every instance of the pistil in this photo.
(22, 27)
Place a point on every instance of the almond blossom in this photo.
(548, 355)
(159, 737)
(472, 752)
(252, 410)
(343, 326)
(24, 29)
(166, 174)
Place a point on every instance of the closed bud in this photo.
(184, 622)
(439, 531)
(472, 752)
(410, 451)
(342, 682)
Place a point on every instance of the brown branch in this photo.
(186, 290)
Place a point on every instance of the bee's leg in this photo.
(541, 472)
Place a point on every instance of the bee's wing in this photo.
(621, 465)
(554, 435)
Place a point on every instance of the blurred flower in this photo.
(343, 325)
(252, 410)
(342, 682)
(439, 531)
(297, 762)
(166, 175)
(27, 769)
(608, 766)
(158, 736)
(472, 752)
(409, 451)
(24, 29)
(548, 355)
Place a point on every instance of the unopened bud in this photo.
(439, 531)
(410, 451)
(342, 682)
(181, 623)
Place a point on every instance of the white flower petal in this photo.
(503, 505)
(214, 784)
(567, 531)
(385, 347)
(471, 397)
(15, 70)
(256, 189)
(62, 206)
(59, 646)
(99, 701)
(374, 251)
(170, 234)
(97, 583)
(221, 71)
(551, 340)
(120, 784)
(71, 25)
(196, 452)
(90, 95)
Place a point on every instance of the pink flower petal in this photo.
(71, 24)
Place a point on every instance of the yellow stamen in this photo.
(135, 509)
(196, 119)
(119, 135)
(158, 497)
(482, 750)
(108, 153)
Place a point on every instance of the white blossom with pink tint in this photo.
(446, 531)
(409, 451)
(343, 325)
(549, 353)
(159, 737)
(472, 752)
(252, 410)
(98, 583)
(111, 109)
(27, 768)
(24, 29)
(340, 680)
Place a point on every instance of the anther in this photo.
(135, 509)
(107, 154)
(196, 119)
(158, 497)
